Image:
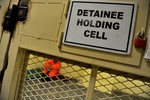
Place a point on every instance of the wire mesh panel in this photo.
(70, 84)
(113, 85)
(73, 80)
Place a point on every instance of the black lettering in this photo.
(79, 22)
(97, 35)
(91, 23)
(101, 14)
(113, 14)
(91, 12)
(85, 13)
(79, 13)
(106, 14)
(116, 26)
(96, 14)
(103, 24)
(86, 22)
(98, 24)
(86, 33)
(93, 34)
(103, 36)
(108, 25)
(120, 15)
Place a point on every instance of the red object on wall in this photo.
(140, 43)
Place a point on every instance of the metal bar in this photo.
(92, 83)
(4, 47)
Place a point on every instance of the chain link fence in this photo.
(73, 81)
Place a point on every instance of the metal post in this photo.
(92, 83)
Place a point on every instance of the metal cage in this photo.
(78, 81)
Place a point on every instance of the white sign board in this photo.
(106, 26)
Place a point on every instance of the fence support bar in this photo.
(92, 82)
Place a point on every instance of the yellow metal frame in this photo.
(134, 63)
(22, 42)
